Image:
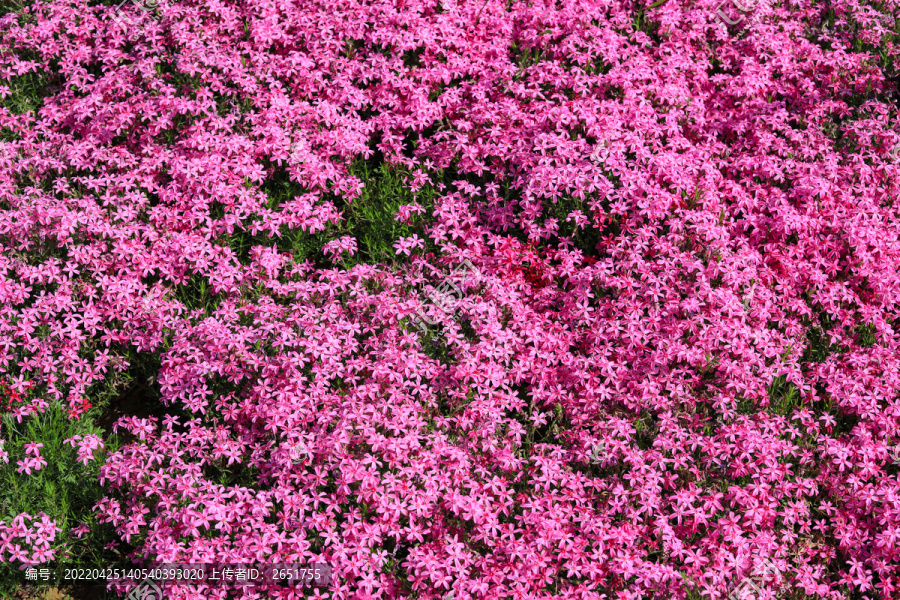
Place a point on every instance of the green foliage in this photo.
(197, 294)
(817, 349)
(524, 56)
(645, 431)
(66, 490)
(865, 335)
(783, 396)
(28, 91)
(369, 218)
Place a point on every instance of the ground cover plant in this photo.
(235, 329)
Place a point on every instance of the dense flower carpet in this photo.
(464, 299)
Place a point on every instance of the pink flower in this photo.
(86, 446)
(405, 212)
(688, 253)
(28, 464)
(404, 245)
(79, 531)
(335, 248)
(35, 461)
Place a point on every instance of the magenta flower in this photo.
(34, 461)
(404, 245)
(679, 360)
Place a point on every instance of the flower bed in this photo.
(576, 299)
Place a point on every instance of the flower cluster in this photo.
(28, 543)
(678, 360)
(86, 446)
(10, 397)
(32, 460)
